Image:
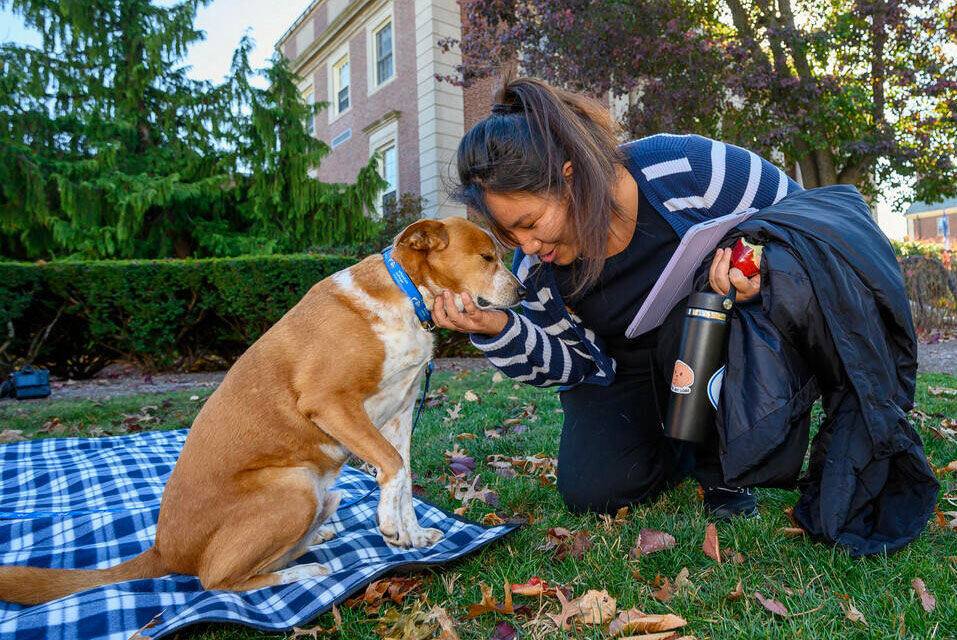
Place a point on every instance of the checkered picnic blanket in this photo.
(111, 488)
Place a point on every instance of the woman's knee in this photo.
(607, 495)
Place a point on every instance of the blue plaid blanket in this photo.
(93, 502)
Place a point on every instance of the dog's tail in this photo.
(33, 585)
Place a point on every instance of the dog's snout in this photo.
(521, 293)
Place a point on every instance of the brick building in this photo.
(933, 222)
(375, 62)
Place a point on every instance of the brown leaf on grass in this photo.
(534, 587)
(489, 604)
(664, 635)
(950, 467)
(492, 520)
(683, 582)
(596, 608)
(569, 610)
(789, 512)
(613, 522)
(938, 391)
(454, 413)
(710, 545)
(504, 631)
(737, 593)
(665, 592)
(791, 532)
(446, 624)
(634, 620)
(465, 436)
(650, 541)
(493, 434)
(378, 592)
(852, 614)
(773, 606)
(416, 624)
(576, 547)
(927, 599)
(11, 435)
(946, 519)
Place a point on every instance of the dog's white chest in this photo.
(408, 348)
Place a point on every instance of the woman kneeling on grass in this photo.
(595, 223)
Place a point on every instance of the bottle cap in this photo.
(709, 301)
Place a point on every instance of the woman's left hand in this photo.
(722, 276)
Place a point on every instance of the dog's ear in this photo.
(424, 235)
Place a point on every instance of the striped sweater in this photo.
(687, 179)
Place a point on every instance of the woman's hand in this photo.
(472, 320)
(722, 276)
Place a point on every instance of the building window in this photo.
(340, 84)
(383, 53)
(389, 168)
(310, 97)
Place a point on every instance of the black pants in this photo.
(613, 451)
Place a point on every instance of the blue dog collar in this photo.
(402, 280)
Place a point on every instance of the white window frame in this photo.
(332, 67)
(385, 16)
(382, 138)
(309, 94)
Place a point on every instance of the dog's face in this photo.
(456, 255)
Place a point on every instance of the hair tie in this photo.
(500, 109)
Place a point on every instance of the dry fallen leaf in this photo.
(534, 587)
(852, 614)
(737, 593)
(939, 391)
(650, 541)
(663, 635)
(773, 606)
(569, 610)
(446, 625)
(497, 377)
(378, 592)
(470, 396)
(492, 520)
(455, 412)
(664, 593)
(683, 582)
(791, 532)
(927, 599)
(416, 624)
(504, 631)
(635, 620)
(11, 435)
(596, 608)
(579, 543)
(489, 604)
(710, 545)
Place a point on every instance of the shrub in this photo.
(75, 317)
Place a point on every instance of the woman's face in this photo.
(538, 225)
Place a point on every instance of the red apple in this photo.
(747, 257)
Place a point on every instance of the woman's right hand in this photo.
(489, 322)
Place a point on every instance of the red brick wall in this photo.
(925, 230)
(343, 163)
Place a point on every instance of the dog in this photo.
(338, 374)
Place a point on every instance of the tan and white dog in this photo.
(338, 374)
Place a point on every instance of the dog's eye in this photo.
(488, 258)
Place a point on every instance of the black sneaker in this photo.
(724, 503)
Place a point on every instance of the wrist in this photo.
(497, 322)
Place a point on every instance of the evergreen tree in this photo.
(108, 149)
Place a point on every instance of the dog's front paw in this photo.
(392, 533)
(426, 537)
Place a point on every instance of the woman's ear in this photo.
(567, 169)
(424, 235)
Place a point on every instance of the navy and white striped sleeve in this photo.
(732, 179)
(528, 352)
(703, 178)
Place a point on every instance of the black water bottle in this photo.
(699, 369)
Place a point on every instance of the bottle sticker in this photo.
(682, 378)
(714, 386)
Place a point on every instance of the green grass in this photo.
(813, 573)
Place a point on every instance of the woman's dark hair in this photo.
(532, 132)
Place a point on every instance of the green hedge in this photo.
(75, 317)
